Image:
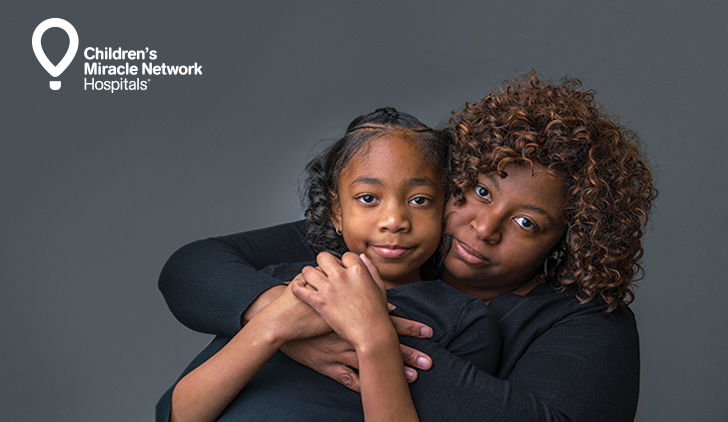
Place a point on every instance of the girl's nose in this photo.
(395, 218)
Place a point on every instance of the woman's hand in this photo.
(334, 357)
(289, 318)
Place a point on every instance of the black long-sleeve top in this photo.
(560, 360)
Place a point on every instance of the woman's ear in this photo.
(335, 210)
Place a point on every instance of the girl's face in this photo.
(501, 234)
(389, 207)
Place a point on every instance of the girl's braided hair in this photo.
(322, 173)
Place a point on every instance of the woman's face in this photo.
(501, 234)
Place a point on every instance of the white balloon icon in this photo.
(56, 70)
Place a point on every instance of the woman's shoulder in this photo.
(548, 322)
(545, 299)
(545, 309)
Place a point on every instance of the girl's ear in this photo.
(335, 210)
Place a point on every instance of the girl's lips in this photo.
(468, 254)
(391, 252)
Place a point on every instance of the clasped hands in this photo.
(354, 285)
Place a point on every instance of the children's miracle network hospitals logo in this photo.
(95, 67)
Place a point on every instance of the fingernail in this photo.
(410, 374)
(423, 363)
(391, 307)
(426, 332)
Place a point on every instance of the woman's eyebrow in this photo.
(530, 207)
(540, 211)
(494, 181)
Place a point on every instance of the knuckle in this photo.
(408, 354)
(406, 328)
(332, 337)
(346, 379)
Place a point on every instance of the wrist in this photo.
(265, 299)
(384, 340)
(267, 330)
(287, 318)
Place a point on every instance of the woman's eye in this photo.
(526, 223)
(482, 192)
(420, 200)
(367, 199)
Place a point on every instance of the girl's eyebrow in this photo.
(421, 181)
(415, 181)
(364, 180)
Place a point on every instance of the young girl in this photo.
(379, 192)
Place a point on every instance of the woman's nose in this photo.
(487, 226)
(394, 218)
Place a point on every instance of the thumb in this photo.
(373, 271)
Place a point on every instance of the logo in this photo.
(109, 69)
(56, 70)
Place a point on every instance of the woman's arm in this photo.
(204, 393)
(209, 284)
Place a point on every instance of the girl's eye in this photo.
(420, 200)
(526, 223)
(367, 199)
(482, 192)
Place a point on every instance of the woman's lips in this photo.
(468, 254)
(391, 252)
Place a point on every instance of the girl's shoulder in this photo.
(433, 291)
(442, 307)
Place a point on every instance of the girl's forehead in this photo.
(392, 157)
(391, 145)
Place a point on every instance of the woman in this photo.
(551, 197)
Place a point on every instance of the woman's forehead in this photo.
(527, 183)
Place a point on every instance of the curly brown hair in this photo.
(607, 182)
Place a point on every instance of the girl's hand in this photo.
(347, 296)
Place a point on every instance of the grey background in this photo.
(98, 189)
